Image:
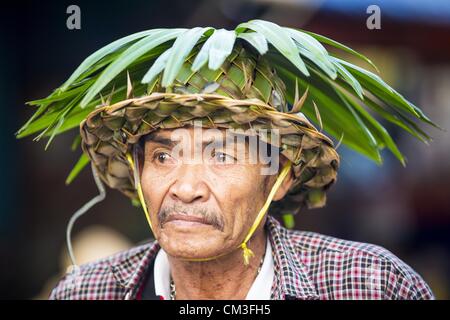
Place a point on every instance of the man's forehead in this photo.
(200, 134)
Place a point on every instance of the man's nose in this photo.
(190, 186)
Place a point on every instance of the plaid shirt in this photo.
(307, 266)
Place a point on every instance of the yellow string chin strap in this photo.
(247, 253)
(138, 187)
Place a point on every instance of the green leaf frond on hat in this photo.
(260, 73)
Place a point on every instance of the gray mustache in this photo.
(212, 217)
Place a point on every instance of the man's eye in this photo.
(221, 157)
(162, 157)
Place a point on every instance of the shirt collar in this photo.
(129, 270)
(161, 275)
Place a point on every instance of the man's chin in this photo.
(195, 244)
(190, 233)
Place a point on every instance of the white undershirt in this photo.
(260, 289)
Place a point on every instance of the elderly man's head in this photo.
(205, 187)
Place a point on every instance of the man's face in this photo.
(202, 197)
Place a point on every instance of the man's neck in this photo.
(223, 278)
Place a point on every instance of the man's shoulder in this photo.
(96, 280)
(350, 269)
(317, 243)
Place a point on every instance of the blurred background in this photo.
(406, 210)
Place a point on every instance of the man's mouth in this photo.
(186, 219)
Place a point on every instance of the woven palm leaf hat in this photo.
(258, 76)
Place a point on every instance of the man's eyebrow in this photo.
(214, 141)
(153, 137)
(219, 141)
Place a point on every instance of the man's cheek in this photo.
(154, 195)
(152, 183)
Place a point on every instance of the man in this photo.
(207, 145)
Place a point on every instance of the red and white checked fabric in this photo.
(307, 266)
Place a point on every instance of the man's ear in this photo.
(287, 182)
